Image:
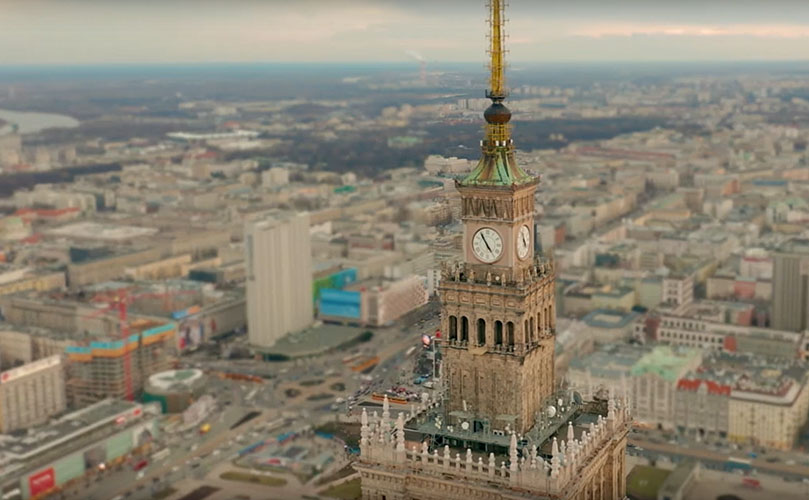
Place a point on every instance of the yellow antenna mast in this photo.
(497, 116)
(497, 165)
(497, 50)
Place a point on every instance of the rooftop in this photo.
(498, 168)
(610, 360)
(750, 377)
(796, 246)
(667, 362)
(606, 318)
(68, 429)
(98, 231)
(315, 340)
(175, 379)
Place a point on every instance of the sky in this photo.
(202, 31)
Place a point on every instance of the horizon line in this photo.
(395, 62)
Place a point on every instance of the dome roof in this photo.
(497, 113)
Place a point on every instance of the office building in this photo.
(790, 295)
(279, 276)
(57, 456)
(30, 394)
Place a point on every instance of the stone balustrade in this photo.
(382, 442)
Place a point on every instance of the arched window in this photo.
(510, 333)
(453, 328)
(531, 328)
(498, 333)
(464, 329)
(551, 321)
(481, 331)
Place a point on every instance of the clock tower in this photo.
(497, 305)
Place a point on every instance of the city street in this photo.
(194, 459)
(712, 459)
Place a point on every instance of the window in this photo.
(498, 333)
(464, 329)
(481, 331)
(510, 333)
(453, 328)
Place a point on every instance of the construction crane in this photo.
(119, 301)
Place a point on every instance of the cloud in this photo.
(788, 31)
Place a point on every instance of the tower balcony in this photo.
(517, 349)
(464, 272)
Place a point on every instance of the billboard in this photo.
(340, 303)
(41, 481)
(337, 281)
(142, 434)
(190, 333)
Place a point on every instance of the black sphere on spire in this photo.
(497, 114)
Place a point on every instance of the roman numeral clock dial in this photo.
(487, 245)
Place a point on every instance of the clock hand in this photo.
(524, 241)
(485, 242)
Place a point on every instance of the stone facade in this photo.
(500, 344)
(588, 465)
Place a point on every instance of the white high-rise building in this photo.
(279, 276)
(32, 393)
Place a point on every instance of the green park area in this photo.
(644, 482)
(348, 490)
(348, 432)
(164, 493)
(253, 478)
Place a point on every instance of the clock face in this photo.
(487, 245)
(523, 242)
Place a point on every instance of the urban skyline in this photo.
(403, 280)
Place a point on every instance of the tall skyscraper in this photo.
(790, 280)
(503, 429)
(279, 276)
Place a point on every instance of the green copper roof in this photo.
(497, 168)
(666, 362)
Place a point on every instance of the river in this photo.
(29, 121)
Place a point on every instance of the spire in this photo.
(512, 453)
(364, 429)
(497, 79)
(497, 166)
(400, 434)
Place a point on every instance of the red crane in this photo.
(119, 300)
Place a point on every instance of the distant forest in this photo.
(370, 155)
(25, 180)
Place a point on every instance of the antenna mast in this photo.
(497, 116)
(497, 63)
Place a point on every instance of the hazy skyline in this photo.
(160, 31)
